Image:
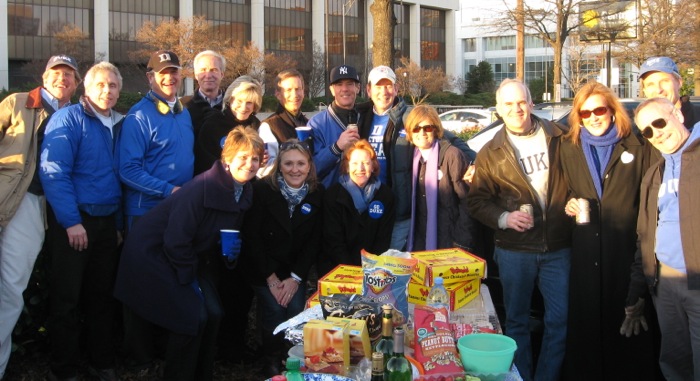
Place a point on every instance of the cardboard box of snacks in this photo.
(453, 265)
(460, 293)
(343, 279)
(327, 346)
(359, 339)
(313, 300)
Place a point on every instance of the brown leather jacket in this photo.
(499, 185)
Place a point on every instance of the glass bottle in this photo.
(438, 297)
(385, 345)
(377, 366)
(398, 368)
(293, 373)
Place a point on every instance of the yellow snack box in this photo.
(460, 293)
(343, 279)
(360, 346)
(313, 300)
(327, 346)
(453, 265)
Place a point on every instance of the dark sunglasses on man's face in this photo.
(598, 111)
(660, 123)
(428, 128)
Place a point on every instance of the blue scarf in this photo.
(292, 195)
(361, 197)
(598, 150)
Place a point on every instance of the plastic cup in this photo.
(228, 240)
(303, 133)
(486, 353)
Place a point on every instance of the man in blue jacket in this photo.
(335, 129)
(78, 170)
(156, 157)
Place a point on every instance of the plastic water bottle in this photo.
(438, 297)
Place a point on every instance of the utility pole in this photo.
(520, 43)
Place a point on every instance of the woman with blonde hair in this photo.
(604, 162)
(439, 215)
(242, 101)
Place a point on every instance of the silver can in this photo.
(584, 215)
(527, 208)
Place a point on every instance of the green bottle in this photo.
(293, 373)
(385, 345)
(398, 368)
(377, 366)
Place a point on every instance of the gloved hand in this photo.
(197, 289)
(634, 319)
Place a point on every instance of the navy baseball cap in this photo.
(163, 59)
(344, 72)
(62, 59)
(663, 64)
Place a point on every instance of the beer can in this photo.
(527, 208)
(584, 215)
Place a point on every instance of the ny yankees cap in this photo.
(163, 59)
(344, 72)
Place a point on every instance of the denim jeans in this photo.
(271, 313)
(519, 273)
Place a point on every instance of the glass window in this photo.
(469, 45)
(432, 38)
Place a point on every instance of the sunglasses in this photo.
(304, 146)
(598, 111)
(660, 123)
(428, 128)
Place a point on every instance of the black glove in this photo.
(634, 319)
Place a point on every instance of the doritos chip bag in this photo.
(385, 280)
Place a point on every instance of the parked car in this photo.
(461, 119)
(551, 111)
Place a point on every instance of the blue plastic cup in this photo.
(303, 133)
(228, 240)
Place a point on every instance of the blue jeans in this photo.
(519, 273)
(271, 313)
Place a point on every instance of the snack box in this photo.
(459, 293)
(453, 265)
(313, 300)
(343, 279)
(359, 338)
(327, 346)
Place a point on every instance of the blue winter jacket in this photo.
(156, 153)
(326, 130)
(78, 167)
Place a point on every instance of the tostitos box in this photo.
(343, 279)
(459, 293)
(453, 265)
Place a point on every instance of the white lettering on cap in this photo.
(164, 57)
(343, 70)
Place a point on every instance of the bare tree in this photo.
(384, 21)
(418, 83)
(316, 75)
(583, 65)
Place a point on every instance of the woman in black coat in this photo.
(359, 211)
(439, 215)
(604, 162)
(172, 258)
(281, 238)
(241, 101)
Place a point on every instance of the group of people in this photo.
(172, 173)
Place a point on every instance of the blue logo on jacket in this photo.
(376, 209)
(306, 209)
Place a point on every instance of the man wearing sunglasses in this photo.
(668, 247)
(519, 169)
(659, 77)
